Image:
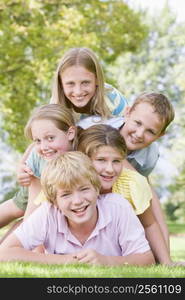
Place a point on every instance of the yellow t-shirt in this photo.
(40, 198)
(135, 188)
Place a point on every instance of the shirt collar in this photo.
(139, 155)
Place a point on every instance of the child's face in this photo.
(49, 140)
(108, 163)
(79, 85)
(142, 127)
(78, 204)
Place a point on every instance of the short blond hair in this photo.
(161, 105)
(67, 171)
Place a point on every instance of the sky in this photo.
(178, 6)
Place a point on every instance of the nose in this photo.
(44, 145)
(109, 167)
(140, 132)
(77, 198)
(77, 89)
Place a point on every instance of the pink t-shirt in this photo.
(118, 231)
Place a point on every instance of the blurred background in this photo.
(141, 47)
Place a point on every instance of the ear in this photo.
(71, 133)
(127, 111)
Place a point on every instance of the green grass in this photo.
(175, 228)
(35, 270)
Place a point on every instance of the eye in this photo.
(85, 188)
(85, 82)
(65, 195)
(151, 132)
(138, 123)
(100, 159)
(70, 83)
(37, 141)
(50, 138)
(117, 161)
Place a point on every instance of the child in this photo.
(106, 148)
(52, 129)
(144, 123)
(75, 226)
(79, 85)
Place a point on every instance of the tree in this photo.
(35, 34)
(159, 65)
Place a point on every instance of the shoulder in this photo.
(115, 100)
(35, 162)
(90, 121)
(135, 189)
(144, 160)
(115, 122)
(113, 200)
(149, 155)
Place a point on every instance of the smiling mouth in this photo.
(107, 178)
(134, 140)
(80, 211)
(48, 154)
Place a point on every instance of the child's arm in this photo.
(159, 216)
(155, 237)
(156, 208)
(90, 256)
(33, 191)
(24, 173)
(12, 250)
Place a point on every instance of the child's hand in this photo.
(24, 175)
(90, 256)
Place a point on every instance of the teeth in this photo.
(109, 177)
(48, 151)
(79, 210)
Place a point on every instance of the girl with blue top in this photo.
(79, 85)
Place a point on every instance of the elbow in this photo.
(149, 258)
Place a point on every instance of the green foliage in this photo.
(35, 34)
(175, 207)
(159, 65)
(155, 65)
(170, 210)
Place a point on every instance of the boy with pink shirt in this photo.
(76, 224)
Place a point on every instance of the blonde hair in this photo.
(57, 113)
(96, 136)
(86, 58)
(161, 104)
(67, 171)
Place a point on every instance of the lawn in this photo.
(35, 270)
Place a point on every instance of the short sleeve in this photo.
(144, 160)
(135, 188)
(35, 162)
(115, 101)
(33, 231)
